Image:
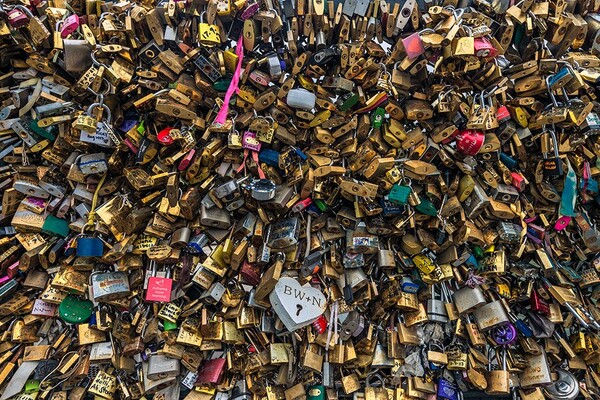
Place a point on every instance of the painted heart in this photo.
(296, 305)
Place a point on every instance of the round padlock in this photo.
(164, 136)
(74, 310)
(470, 141)
(505, 334)
(566, 387)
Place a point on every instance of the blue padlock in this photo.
(269, 157)
(447, 390)
(89, 246)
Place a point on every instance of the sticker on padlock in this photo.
(158, 288)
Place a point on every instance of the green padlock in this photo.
(347, 102)
(169, 326)
(400, 192)
(75, 310)
(32, 386)
(222, 84)
(316, 392)
(321, 205)
(377, 117)
(426, 207)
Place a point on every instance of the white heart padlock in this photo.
(297, 306)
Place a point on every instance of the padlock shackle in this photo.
(22, 8)
(549, 88)
(104, 107)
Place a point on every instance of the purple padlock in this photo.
(17, 18)
(69, 26)
(505, 334)
(447, 390)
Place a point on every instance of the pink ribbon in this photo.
(233, 86)
(254, 154)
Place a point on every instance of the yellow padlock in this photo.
(208, 34)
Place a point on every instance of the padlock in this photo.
(158, 288)
(498, 380)
(89, 246)
(552, 165)
(18, 17)
(69, 25)
(468, 299)
(160, 367)
(490, 315)
(109, 286)
(436, 309)
(301, 98)
(208, 34)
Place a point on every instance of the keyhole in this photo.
(299, 307)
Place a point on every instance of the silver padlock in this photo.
(490, 315)
(215, 217)
(51, 109)
(262, 189)
(283, 194)
(82, 194)
(301, 98)
(25, 135)
(180, 237)
(283, 234)
(468, 299)
(240, 391)
(225, 189)
(477, 201)
(352, 325)
(436, 308)
(30, 187)
(505, 194)
(214, 294)
(109, 286)
(355, 278)
(161, 366)
(77, 55)
(386, 258)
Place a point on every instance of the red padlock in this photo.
(250, 273)
(538, 304)
(320, 324)
(484, 48)
(164, 136)
(518, 181)
(502, 115)
(470, 141)
(302, 204)
(69, 26)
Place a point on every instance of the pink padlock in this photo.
(250, 142)
(69, 26)
(484, 48)
(413, 45)
(17, 18)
